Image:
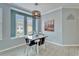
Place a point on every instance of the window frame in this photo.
(25, 14)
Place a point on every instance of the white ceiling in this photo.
(44, 7)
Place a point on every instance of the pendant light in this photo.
(36, 13)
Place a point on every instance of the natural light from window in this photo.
(19, 25)
(29, 25)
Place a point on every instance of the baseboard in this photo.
(62, 44)
(46, 41)
(12, 47)
(54, 43)
(72, 45)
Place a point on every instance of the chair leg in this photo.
(44, 45)
(26, 51)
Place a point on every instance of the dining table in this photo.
(38, 40)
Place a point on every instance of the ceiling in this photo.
(44, 7)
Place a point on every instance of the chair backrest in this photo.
(42, 40)
(30, 42)
(27, 40)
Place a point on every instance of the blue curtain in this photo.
(39, 25)
(13, 24)
(34, 24)
(25, 25)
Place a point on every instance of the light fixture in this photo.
(37, 17)
(36, 13)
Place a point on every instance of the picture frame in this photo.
(49, 25)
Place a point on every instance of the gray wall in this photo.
(66, 27)
(0, 24)
(55, 36)
(70, 26)
(6, 41)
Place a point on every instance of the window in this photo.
(19, 25)
(29, 25)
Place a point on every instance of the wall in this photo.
(7, 42)
(66, 26)
(55, 36)
(0, 24)
(70, 26)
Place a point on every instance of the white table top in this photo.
(36, 37)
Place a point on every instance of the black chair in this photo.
(42, 41)
(30, 42)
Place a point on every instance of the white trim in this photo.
(12, 47)
(20, 10)
(62, 44)
(72, 7)
(52, 10)
(72, 45)
(19, 37)
(54, 43)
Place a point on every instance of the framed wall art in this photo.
(49, 25)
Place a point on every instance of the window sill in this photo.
(19, 37)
